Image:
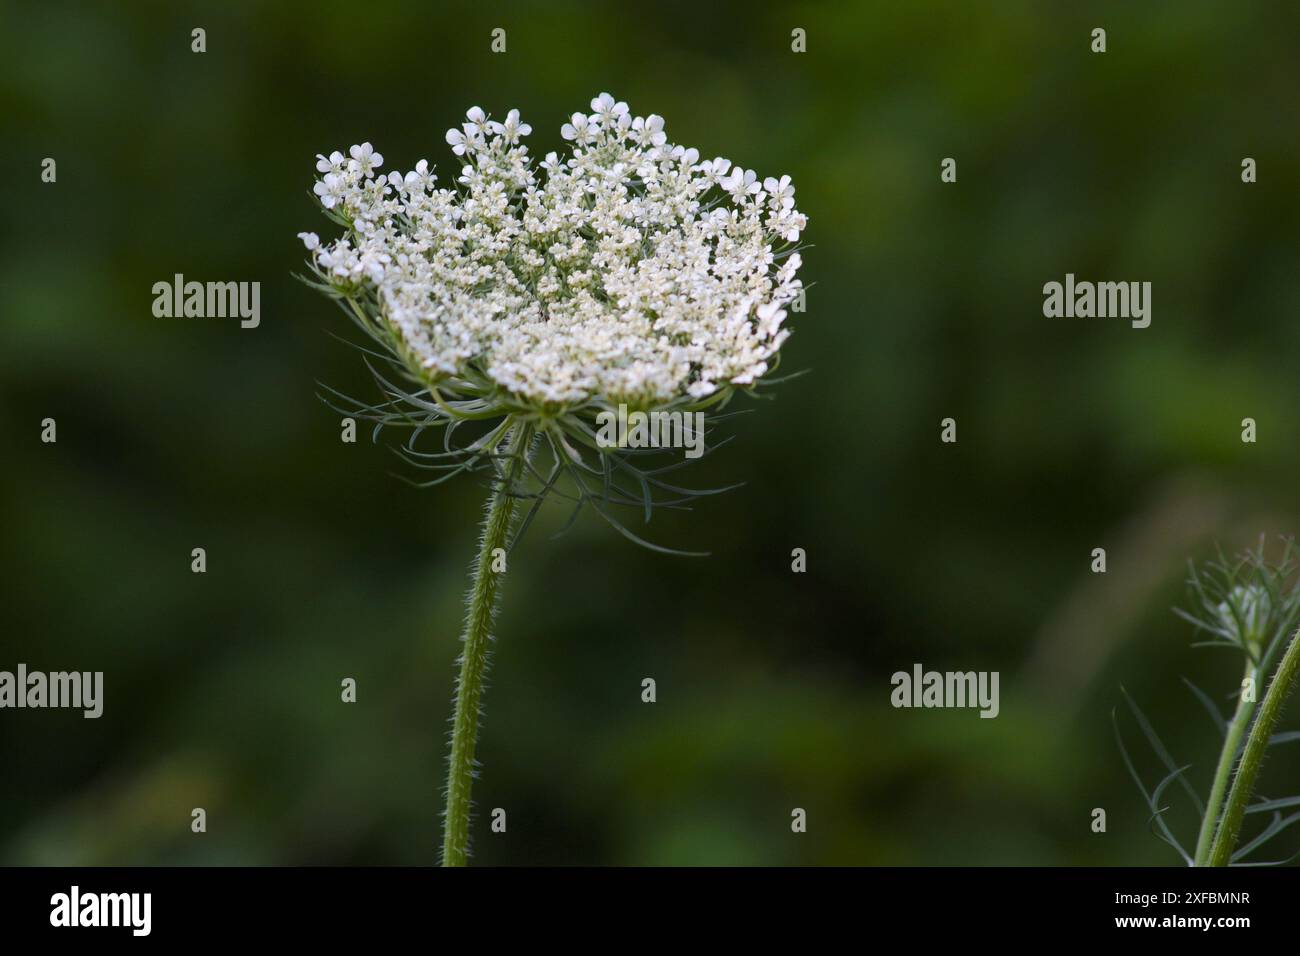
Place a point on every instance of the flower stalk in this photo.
(477, 640)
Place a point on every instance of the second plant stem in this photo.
(1235, 730)
(1252, 755)
(477, 643)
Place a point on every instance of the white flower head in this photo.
(601, 274)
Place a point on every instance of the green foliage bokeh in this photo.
(773, 688)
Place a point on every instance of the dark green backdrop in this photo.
(773, 688)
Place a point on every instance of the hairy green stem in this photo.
(1227, 759)
(1243, 784)
(477, 640)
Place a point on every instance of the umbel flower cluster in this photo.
(626, 271)
(524, 303)
(534, 300)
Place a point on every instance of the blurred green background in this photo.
(222, 690)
